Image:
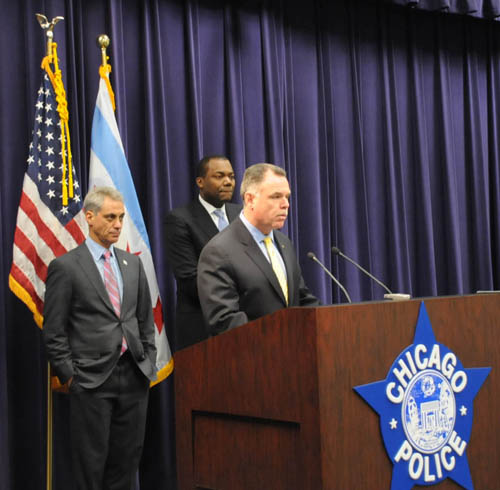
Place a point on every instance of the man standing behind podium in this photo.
(99, 334)
(187, 230)
(250, 269)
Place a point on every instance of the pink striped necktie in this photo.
(111, 285)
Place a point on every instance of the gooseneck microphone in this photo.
(313, 257)
(390, 295)
(337, 251)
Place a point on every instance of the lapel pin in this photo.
(125, 262)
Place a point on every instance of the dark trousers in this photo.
(107, 428)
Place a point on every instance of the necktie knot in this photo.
(107, 255)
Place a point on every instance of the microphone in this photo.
(390, 295)
(313, 257)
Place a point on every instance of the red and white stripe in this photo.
(39, 238)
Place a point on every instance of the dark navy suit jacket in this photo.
(187, 230)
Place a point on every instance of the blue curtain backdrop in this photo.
(385, 117)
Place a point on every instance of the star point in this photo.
(427, 397)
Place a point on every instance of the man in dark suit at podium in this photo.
(99, 333)
(187, 230)
(250, 269)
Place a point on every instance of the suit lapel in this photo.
(255, 253)
(203, 220)
(89, 268)
(127, 276)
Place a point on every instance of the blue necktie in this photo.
(222, 223)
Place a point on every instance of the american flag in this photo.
(46, 228)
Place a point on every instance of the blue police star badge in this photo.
(426, 411)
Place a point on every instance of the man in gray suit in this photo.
(250, 269)
(99, 335)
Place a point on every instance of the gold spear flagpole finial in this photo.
(48, 27)
(105, 69)
(103, 42)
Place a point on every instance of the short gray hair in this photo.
(95, 197)
(255, 174)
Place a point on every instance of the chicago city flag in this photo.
(109, 167)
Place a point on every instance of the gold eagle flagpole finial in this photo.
(48, 27)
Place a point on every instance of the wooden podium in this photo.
(271, 405)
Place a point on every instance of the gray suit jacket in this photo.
(237, 284)
(82, 333)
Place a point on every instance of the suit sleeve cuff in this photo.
(64, 371)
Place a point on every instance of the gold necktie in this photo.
(275, 264)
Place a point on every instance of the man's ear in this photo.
(248, 198)
(199, 182)
(89, 215)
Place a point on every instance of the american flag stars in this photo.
(45, 146)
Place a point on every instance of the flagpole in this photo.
(49, 427)
(48, 28)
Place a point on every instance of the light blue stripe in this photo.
(110, 153)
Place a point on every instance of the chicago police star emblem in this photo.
(425, 408)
